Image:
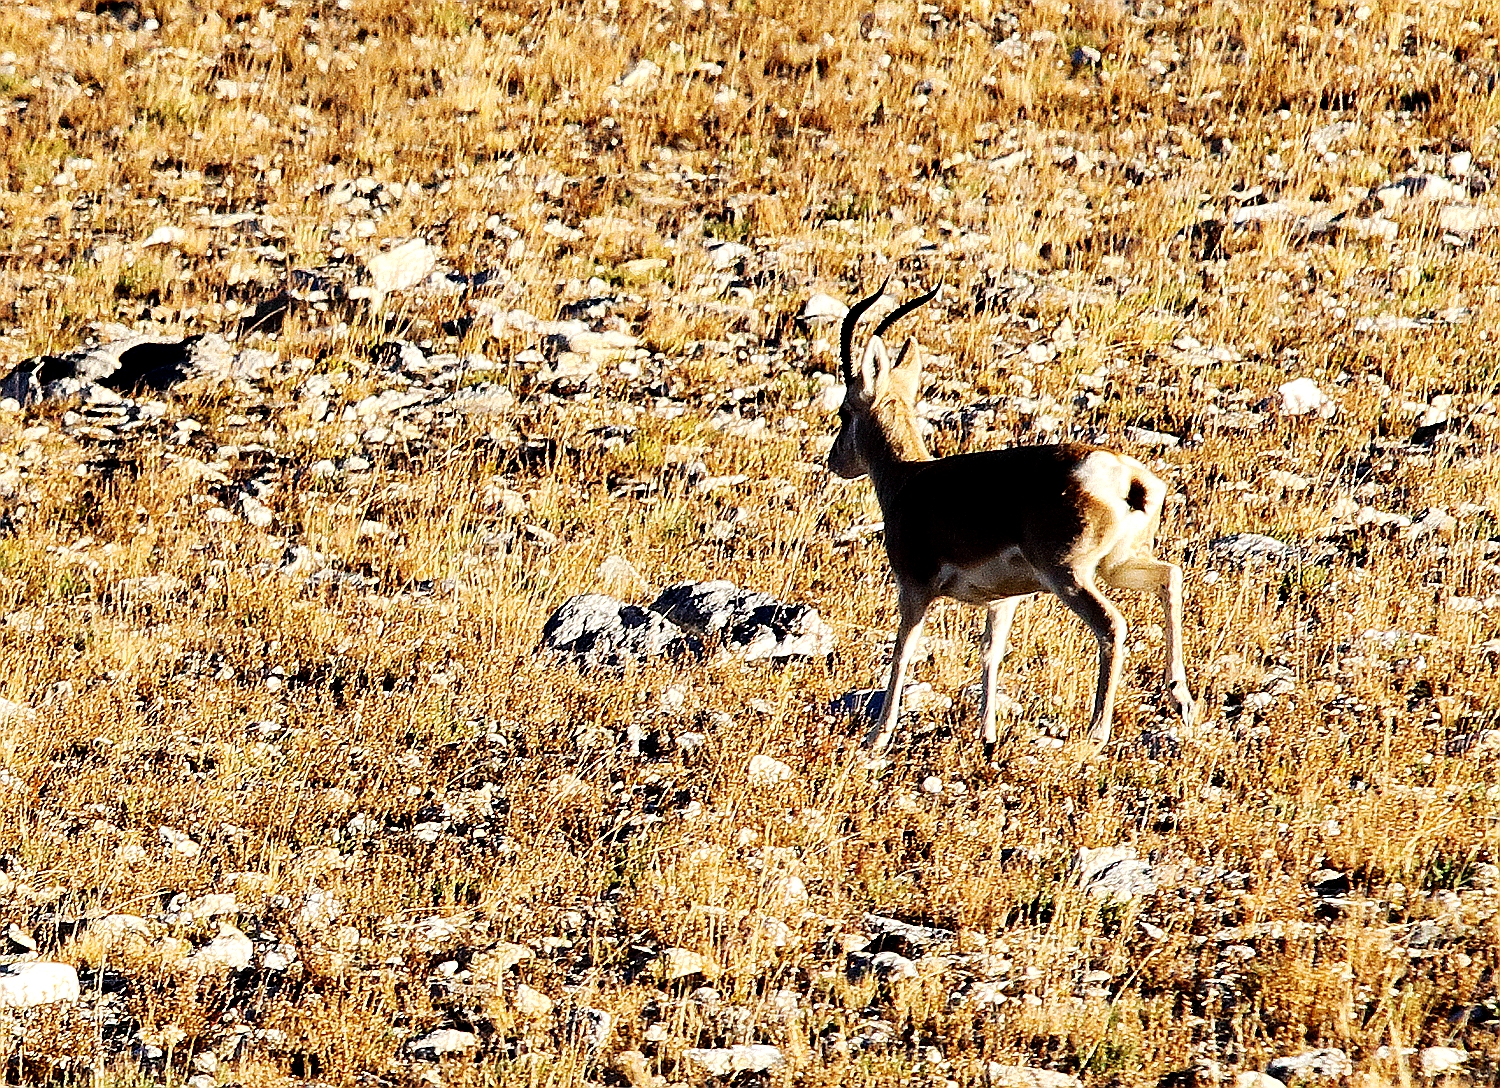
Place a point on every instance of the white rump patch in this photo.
(1102, 475)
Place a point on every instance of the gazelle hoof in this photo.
(1187, 707)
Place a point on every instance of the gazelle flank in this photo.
(994, 527)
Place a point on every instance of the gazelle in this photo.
(991, 528)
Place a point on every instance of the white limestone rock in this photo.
(531, 1003)
(29, 984)
(1302, 397)
(823, 309)
(766, 771)
(403, 267)
(675, 963)
(642, 75)
(1240, 548)
(230, 950)
(1437, 1061)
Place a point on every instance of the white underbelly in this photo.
(1005, 575)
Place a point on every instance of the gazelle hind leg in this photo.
(1078, 592)
(1166, 580)
(913, 611)
(997, 622)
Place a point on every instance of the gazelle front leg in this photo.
(997, 621)
(913, 605)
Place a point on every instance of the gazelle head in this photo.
(878, 413)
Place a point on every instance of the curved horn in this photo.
(846, 331)
(905, 308)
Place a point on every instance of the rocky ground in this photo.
(437, 653)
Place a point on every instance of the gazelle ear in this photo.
(874, 366)
(906, 374)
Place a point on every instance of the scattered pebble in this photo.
(1326, 1064)
(402, 267)
(1436, 1061)
(675, 963)
(179, 842)
(823, 309)
(723, 1061)
(765, 771)
(1302, 397)
(531, 1003)
(998, 1075)
(1251, 1078)
(230, 950)
(436, 1044)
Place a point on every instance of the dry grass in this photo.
(405, 716)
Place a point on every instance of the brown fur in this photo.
(990, 528)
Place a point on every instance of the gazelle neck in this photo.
(894, 444)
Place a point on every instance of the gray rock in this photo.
(599, 630)
(916, 938)
(402, 267)
(19, 939)
(1251, 1078)
(130, 364)
(1329, 882)
(1329, 135)
(485, 397)
(618, 575)
(1115, 872)
(725, 255)
(117, 929)
(1240, 548)
(1155, 439)
(867, 703)
(755, 624)
(435, 1044)
(400, 355)
(1329, 1063)
(889, 965)
(211, 905)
